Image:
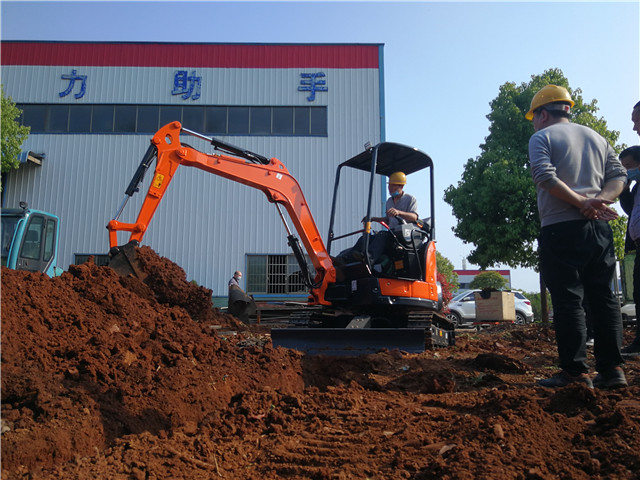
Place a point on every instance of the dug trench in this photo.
(110, 377)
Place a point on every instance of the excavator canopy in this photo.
(391, 157)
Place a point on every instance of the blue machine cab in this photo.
(30, 240)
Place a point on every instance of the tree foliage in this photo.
(13, 134)
(492, 280)
(619, 227)
(536, 305)
(445, 267)
(495, 201)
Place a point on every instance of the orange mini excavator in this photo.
(353, 306)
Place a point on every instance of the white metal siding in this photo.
(205, 224)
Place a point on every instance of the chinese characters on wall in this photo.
(186, 85)
(72, 81)
(189, 85)
(311, 82)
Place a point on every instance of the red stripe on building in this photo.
(188, 55)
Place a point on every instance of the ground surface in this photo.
(105, 377)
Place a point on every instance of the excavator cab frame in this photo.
(384, 159)
(409, 282)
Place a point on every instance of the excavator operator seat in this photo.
(407, 251)
(410, 235)
(425, 226)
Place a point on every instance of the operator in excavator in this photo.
(400, 205)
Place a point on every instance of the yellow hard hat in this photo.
(546, 95)
(398, 178)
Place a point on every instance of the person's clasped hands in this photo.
(598, 209)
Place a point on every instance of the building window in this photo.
(318, 124)
(147, 119)
(275, 275)
(238, 120)
(260, 121)
(170, 113)
(102, 119)
(34, 116)
(282, 121)
(193, 118)
(302, 120)
(125, 118)
(215, 120)
(58, 118)
(80, 118)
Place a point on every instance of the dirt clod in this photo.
(113, 377)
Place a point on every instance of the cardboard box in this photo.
(499, 307)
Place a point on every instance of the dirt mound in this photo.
(112, 377)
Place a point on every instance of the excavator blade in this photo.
(124, 260)
(349, 341)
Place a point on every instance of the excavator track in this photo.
(424, 330)
(438, 330)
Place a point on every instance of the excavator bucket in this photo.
(124, 260)
(241, 305)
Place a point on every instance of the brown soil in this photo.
(106, 377)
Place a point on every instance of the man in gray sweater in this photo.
(577, 174)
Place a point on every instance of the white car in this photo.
(462, 308)
(628, 312)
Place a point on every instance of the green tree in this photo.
(445, 267)
(447, 277)
(491, 280)
(13, 134)
(619, 227)
(495, 201)
(536, 305)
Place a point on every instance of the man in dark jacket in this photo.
(630, 159)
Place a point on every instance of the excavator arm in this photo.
(268, 175)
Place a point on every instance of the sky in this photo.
(444, 62)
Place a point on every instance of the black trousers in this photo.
(379, 244)
(577, 261)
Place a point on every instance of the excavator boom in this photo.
(268, 175)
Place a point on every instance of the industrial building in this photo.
(93, 108)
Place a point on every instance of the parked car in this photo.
(462, 308)
(628, 312)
